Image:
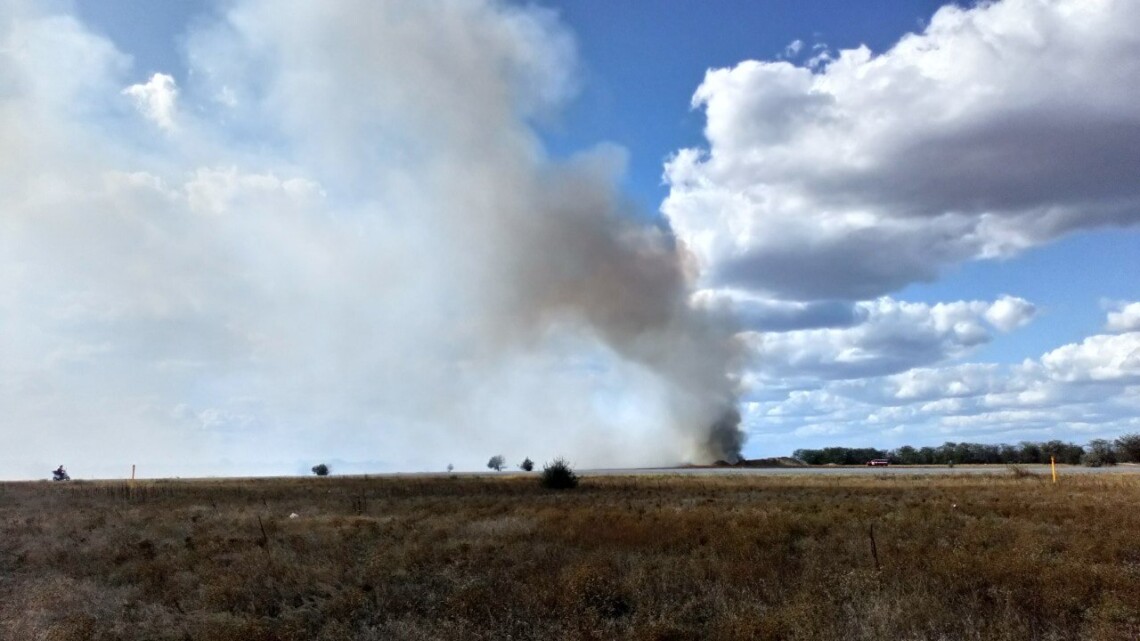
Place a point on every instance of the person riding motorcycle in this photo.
(60, 474)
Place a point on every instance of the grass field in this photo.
(1009, 556)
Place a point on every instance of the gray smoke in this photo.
(626, 284)
(340, 235)
(532, 247)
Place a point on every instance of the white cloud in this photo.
(1125, 318)
(1081, 390)
(890, 336)
(156, 99)
(920, 385)
(998, 128)
(1096, 358)
(1010, 312)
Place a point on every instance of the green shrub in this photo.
(321, 469)
(527, 465)
(558, 475)
(1099, 453)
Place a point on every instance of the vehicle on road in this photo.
(878, 462)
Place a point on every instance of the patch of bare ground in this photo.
(1008, 556)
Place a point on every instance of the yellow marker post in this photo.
(1053, 464)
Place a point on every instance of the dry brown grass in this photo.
(1003, 557)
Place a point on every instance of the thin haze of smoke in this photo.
(348, 240)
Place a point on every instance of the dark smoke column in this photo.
(726, 439)
(586, 260)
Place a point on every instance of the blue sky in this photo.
(245, 234)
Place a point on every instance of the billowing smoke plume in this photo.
(339, 234)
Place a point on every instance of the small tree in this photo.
(1128, 448)
(527, 465)
(558, 475)
(450, 467)
(1099, 453)
(321, 469)
(497, 462)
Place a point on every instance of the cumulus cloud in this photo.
(890, 336)
(1090, 387)
(1125, 318)
(926, 384)
(1010, 312)
(1097, 358)
(156, 99)
(998, 127)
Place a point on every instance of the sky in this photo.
(243, 237)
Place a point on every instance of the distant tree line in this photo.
(1097, 452)
(839, 455)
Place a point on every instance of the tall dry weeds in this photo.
(622, 558)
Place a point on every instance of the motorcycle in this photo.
(60, 475)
